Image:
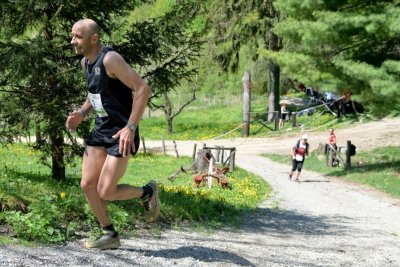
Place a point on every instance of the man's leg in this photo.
(108, 187)
(92, 165)
(299, 167)
(100, 175)
(294, 167)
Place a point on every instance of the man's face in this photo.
(81, 40)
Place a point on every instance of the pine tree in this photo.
(246, 22)
(343, 45)
(166, 54)
(40, 76)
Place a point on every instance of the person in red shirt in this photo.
(332, 144)
(300, 151)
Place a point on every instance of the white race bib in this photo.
(97, 105)
(299, 158)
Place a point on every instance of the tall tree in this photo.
(246, 22)
(41, 78)
(347, 44)
(167, 58)
(39, 70)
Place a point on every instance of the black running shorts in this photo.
(297, 165)
(111, 145)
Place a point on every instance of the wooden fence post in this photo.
(348, 157)
(294, 114)
(328, 153)
(210, 170)
(163, 145)
(194, 152)
(246, 103)
(144, 145)
(176, 149)
(218, 154)
(232, 160)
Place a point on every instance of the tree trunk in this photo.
(38, 132)
(57, 155)
(169, 125)
(273, 99)
(168, 112)
(275, 44)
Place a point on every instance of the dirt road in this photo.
(319, 222)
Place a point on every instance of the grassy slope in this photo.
(378, 168)
(39, 208)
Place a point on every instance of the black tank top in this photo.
(110, 98)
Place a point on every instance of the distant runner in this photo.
(300, 151)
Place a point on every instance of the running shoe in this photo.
(105, 241)
(152, 205)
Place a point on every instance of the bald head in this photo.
(85, 37)
(89, 25)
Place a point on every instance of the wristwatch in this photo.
(131, 126)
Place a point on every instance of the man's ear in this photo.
(95, 38)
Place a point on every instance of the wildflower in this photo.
(62, 195)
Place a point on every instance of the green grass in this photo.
(41, 209)
(213, 116)
(200, 124)
(378, 168)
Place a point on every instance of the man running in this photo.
(119, 96)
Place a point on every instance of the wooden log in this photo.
(201, 164)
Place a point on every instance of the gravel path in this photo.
(319, 222)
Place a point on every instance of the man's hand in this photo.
(126, 141)
(74, 119)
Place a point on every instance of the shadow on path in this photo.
(199, 253)
(315, 181)
(276, 221)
